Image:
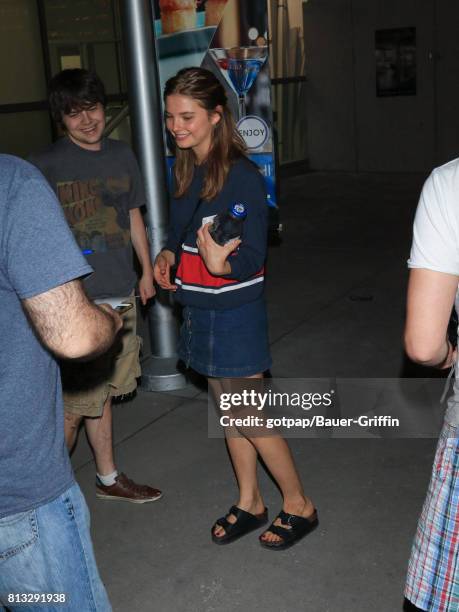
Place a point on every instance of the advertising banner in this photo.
(228, 37)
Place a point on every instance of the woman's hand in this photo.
(215, 256)
(450, 357)
(162, 269)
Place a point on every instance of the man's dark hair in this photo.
(74, 89)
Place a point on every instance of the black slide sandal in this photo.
(245, 523)
(299, 527)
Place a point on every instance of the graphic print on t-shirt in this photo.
(97, 212)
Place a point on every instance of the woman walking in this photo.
(224, 335)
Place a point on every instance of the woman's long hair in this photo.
(227, 145)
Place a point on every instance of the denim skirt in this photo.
(229, 343)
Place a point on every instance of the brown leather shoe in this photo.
(126, 489)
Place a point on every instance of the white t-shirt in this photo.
(436, 225)
(436, 240)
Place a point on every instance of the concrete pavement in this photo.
(336, 307)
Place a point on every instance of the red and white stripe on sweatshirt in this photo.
(192, 275)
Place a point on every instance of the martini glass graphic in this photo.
(240, 66)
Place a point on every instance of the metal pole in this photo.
(159, 372)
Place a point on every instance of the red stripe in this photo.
(192, 271)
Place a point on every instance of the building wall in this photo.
(446, 56)
(349, 127)
(22, 78)
(330, 103)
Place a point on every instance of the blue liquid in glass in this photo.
(243, 73)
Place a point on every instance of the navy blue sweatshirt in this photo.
(196, 286)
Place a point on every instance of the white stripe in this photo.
(189, 249)
(259, 279)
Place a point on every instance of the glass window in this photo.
(21, 56)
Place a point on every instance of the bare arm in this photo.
(142, 249)
(69, 324)
(430, 300)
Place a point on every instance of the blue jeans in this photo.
(48, 551)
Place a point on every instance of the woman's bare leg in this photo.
(276, 454)
(277, 457)
(244, 459)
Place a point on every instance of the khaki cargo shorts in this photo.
(87, 385)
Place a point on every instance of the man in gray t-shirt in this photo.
(99, 186)
(45, 545)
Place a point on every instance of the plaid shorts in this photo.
(433, 572)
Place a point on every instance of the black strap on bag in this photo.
(452, 328)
